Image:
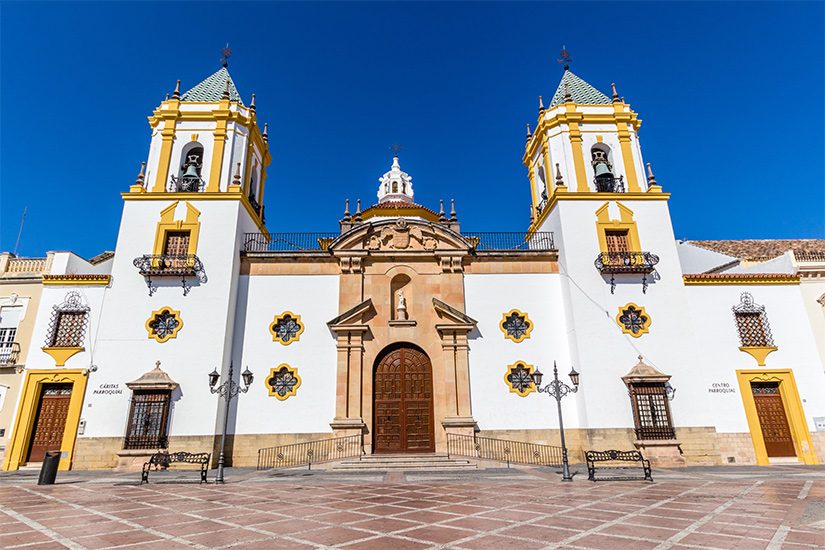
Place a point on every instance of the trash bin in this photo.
(48, 472)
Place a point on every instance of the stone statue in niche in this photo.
(401, 308)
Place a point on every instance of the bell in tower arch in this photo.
(602, 169)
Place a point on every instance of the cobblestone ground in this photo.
(735, 507)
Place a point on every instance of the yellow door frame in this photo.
(27, 412)
(803, 446)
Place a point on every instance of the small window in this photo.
(651, 411)
(9, 319)
(176, 244)
(148, 419)
(617, 241)
(752, 323)
(67, 327)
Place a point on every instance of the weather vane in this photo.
(395, 148)
(565, 57)
(226, 53)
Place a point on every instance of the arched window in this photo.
(191, 164)
(602, 161)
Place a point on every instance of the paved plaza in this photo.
(496, 508)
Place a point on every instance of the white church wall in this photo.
(719, 357)
(488, 298)
(123, 349)
(260, 299)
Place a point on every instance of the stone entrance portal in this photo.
(403, 401)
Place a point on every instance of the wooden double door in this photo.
(50, 421)
(403, 407)
(773, 419)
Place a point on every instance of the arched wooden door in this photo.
(403, 408)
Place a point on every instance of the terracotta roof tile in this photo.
(762, 249)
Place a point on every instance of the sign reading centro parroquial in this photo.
(721, 387)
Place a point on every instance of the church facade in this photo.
(403, 331)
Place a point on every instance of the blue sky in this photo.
(731, 95)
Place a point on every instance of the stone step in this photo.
(404, 462)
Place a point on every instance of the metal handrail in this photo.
(311, 452)
(503, 450)
(626, 262)
(288, 242)
(186, 184)
(609, 184)
(9, 351)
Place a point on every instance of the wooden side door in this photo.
(50, 421)
(403, 391)
(772, 418)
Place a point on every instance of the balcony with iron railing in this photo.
(163, 265)
(9, 353)
(539, 241)
(613, 263)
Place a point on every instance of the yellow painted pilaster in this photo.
(531, 173)
(222, 115)
(573, 119)
(548, 168)
(167, 141)
(622, 120)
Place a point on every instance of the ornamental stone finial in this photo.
(615, 93)
(176, 93)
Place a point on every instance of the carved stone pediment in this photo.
(400, 235)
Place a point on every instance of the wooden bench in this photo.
(163, 460)
(617, 460)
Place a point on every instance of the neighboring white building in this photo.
(403, 332)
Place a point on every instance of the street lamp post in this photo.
(558, 389)
(228, 389)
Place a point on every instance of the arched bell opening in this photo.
(403, 419)
(191, 165)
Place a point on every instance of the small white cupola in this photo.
(396, 185)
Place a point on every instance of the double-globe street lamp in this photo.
(558, 389)
(228, 389)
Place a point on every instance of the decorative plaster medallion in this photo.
(164, 324)
(286, 328)
(516, 325)
(633, 320)
(518, 378)
(283, 381)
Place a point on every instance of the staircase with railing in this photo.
(503, 450)
(311, 452)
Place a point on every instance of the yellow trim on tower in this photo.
(27, 413)
(77, 279)
(168, 223)
(219, 196)
(741, 279)
(174, 334)
(642, 313)
(221, 116)
(61, 354)
(293, 371)
(625, 222)
(527, 391)
(622, 120)
(548, 168)
(509, 336)
(803, 446)
(760, 353)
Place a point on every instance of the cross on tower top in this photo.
(226, 53)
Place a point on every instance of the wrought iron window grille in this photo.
(651, 411)
(286, 328)
(161, 265)
(609, 184)
(612, 263)
(67, 325)
(283, 382)
(634, 320)
(752, 323)
(516, 326)
(148, 419)
(519, 378)
(164, 324)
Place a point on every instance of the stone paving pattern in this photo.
(729, 508)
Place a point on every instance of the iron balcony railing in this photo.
(481, 241)
(9, 352)
(626, 262)
(609, 184)
(186, 184)
(287, 242)
(311, 452)
(503, 450)
(506, 241)
(155, 265)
